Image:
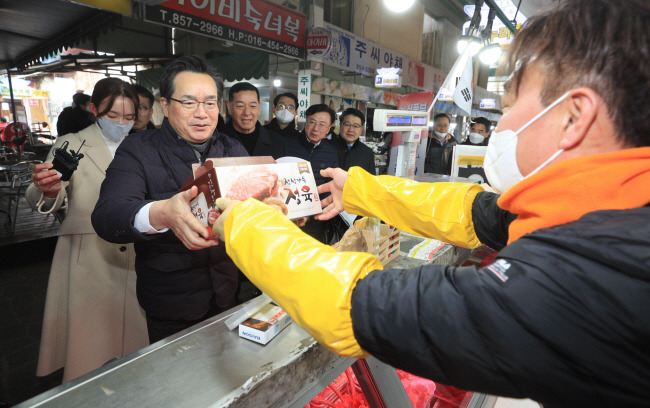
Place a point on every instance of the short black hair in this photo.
(288, 95)
(321, 107)
(144, 92)
(242, 86)
(483, 121)
(80, 98)
(441, 115)
(194, 64)
(353, 112)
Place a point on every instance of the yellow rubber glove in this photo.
(311, 281)
(434, 210)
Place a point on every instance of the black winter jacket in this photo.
(173, 283)
(321, 157)
(261, 142)
(438, 157)
(286, 132)
(562, 316)
(358, 155)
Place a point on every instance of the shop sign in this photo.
(32, 102)
(487, 103)
(304, 93)
(254, 23)
(357, 54)
(18, 92)
(500, 33)
(388, 78)
(318, 42)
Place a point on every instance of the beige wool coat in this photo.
(91, 311)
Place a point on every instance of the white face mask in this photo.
(500, 163)
(476, 138)
(284, 116)
(440, 135)
(113, 130)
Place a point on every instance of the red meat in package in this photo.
(289, 187)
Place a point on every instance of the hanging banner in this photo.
(304, 93)
(357, 54)
(254, 23)
(458, 86)
(465, 88)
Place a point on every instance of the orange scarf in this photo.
(570, 189)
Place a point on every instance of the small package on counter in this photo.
(265, 324)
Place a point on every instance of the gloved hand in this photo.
(311, 281)
(225, 205)
(435, 210)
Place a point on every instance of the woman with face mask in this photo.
(91, 312)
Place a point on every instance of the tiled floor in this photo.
(23, 281)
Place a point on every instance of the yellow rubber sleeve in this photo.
(311, 281)
(433, 210)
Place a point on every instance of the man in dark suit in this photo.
(351, 151)
(244, 109)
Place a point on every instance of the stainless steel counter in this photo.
(206, 366)
(209, 366)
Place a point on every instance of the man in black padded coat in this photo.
(139, 202)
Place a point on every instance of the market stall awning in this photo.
(232, 67)
(31, 29)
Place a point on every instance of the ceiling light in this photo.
(475, 44)
(490, 54)
(398, 6)
(277, 82)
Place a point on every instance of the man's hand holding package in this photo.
(311, 281)
(174, 213)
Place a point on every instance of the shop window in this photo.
(340, 13)
(432, 41)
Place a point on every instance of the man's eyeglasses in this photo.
(287, 107)
(191, 106)
(321, 125)
(356, 126)
(144, 107)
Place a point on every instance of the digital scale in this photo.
(411, 124)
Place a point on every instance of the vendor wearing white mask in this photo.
(440, 147)
(561, 314)
(285, 108)
(91, 311)
(479, 132)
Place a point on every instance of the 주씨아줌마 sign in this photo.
(255, 23)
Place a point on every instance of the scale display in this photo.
(399, 120)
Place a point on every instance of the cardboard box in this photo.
(265, 324)
(386, 246)
(290, 187)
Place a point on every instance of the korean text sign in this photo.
(254, 23)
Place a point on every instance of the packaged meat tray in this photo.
(290, 187)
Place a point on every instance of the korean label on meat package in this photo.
(289, 187)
